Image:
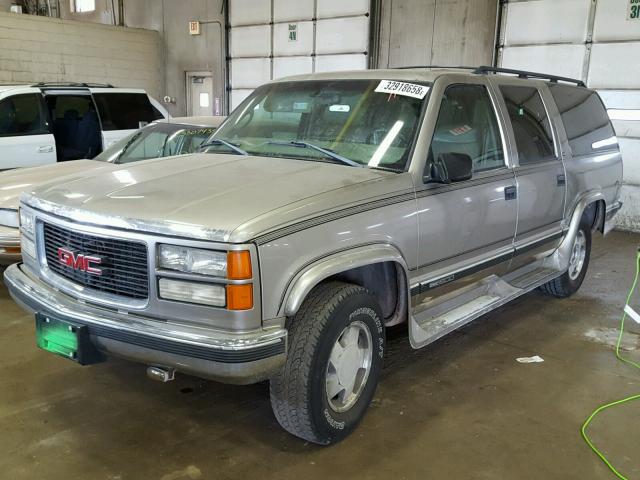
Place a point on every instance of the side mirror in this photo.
(452, 167)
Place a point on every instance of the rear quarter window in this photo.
(124, 111)
(585, 120)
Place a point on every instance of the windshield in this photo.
(351, 122)
(154, 141)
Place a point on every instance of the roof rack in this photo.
(524, 74)
(436, 66)
(73, 84)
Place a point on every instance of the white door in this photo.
(122, 112)
(25, 133)
(200, 101)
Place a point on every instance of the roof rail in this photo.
(524, 74)
(73, 84)
(435, 66)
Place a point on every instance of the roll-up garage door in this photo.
(274, 38)
(597, 41)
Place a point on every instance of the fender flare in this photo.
(311, 275)
(560, 259)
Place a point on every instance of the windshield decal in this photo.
(402, 88)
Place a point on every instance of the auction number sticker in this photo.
(402, 88)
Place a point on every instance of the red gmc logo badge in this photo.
(84, 263)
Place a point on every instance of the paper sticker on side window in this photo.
(402, 88)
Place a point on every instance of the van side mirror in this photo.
(451, 168)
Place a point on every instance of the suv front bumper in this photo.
(241, 358)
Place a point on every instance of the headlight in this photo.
(192, 292)
(27, 223)
(193, 260)
(9, 218)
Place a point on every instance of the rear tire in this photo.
(336, 347)
(570, 281)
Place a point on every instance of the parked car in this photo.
(55, 122)
(336, 205)
(162, 138)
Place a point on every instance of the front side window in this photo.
(124, 111)
(467, 125)
(531, 127)
(156, 140)
(348, 119)
(22, 115)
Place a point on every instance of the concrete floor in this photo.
(460, 409)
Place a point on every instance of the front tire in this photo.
(570, 281)
(336, 347)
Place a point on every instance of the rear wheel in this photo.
(569, 282)
(336, 347)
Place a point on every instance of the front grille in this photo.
(123, 263)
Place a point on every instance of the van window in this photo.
(585, 119)
(467, 124)
(124, 111)
(22, 115)
(531, 126)
(75, 126)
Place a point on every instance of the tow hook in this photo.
(161, 374)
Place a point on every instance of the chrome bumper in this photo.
(9, 238)
(240, 358)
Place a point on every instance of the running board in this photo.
(432, 323)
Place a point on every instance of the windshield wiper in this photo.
(218, 141)
(326, 152)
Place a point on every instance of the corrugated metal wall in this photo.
(598, 42)
(275, 38)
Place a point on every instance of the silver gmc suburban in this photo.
(327, 208)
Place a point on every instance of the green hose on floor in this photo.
(624, 400)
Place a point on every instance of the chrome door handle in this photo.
(45, 149)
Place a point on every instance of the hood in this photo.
(206, 196)
(14, 182)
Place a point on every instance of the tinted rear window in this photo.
(124, 111)
(22, 115)
(585, 120)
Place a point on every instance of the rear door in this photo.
(539, 171)
(26, 139)
(122, 112)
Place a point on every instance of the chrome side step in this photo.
(432, 323)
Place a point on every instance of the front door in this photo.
(466, 228)
(200, 95)
(540, 174)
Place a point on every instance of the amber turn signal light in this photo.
(239, 265)
(240, 297)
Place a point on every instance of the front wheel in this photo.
(569, 282)
(336, 347)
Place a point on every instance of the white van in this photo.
(55, 122)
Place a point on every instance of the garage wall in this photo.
(436, 32)
(593, 40)
(275, 38)
(36, 49)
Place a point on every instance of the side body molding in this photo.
(304, 281)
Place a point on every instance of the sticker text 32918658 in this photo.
(402, 88)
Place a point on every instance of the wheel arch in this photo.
(371, 266)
